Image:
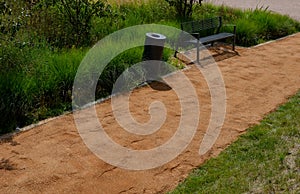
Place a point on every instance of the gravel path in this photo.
(286, 7)
(52, 158)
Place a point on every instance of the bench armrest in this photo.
(196, 35)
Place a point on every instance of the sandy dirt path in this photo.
(52, 158)
(288, 7)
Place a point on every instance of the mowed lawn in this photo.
(264, 160)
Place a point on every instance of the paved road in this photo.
(289, 7)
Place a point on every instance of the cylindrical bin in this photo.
(153, 50)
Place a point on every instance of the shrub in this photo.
(66, 23)
(130, 14)
(13, 15)
(184, 8)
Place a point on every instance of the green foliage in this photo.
(115, 68)
(38, 59)
(14, 16)
(132, 13)
(247, 32)
(66, 23)
(253, 26)
(184, 8)
(118, 65)
(35, 84)
(273, 25)
(258, 162)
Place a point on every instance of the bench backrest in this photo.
(204, 27)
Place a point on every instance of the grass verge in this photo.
(264, 160)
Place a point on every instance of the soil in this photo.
(52, 157)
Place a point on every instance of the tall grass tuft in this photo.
(36, 83)
(133, 13)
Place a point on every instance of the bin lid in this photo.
(156, 36)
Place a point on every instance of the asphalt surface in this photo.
(286, 7)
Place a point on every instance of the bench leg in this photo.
(176, 50)
(198, 55)
(233, 44)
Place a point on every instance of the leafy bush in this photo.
(184, 8)
(66, 23)
(133, 13)
(13, 16)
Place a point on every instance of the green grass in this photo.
(40, 86)
(37, 87)
(264, 160)
(36, 78)
(134, 13)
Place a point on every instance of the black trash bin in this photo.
(154, 46)
(153, 51)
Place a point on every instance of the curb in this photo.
(279, 39)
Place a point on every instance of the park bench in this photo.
(207, 31)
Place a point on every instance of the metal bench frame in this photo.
(212, 26)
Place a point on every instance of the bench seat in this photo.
(213, 25)
(215, 37)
